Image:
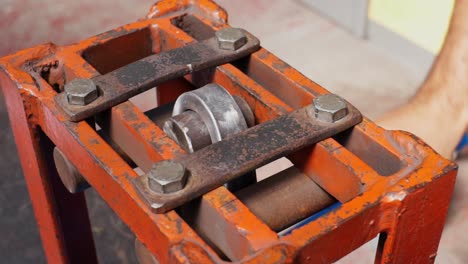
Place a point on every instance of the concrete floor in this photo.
(362, 73)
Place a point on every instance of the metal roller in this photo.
(285, 198)
(216, 107)
(208, 115)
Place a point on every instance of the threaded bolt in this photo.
(330, 108)
(81, 91)
(231, 38)
(167, 177)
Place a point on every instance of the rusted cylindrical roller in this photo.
(285, 198)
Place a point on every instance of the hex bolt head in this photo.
(231, 38)
(167, 177)
(81, 91)
(330, 108)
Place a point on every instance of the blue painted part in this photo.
(310, 219)
(463, 143)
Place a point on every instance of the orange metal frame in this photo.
(387, 182)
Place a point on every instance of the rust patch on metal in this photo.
(127, 81)
(228, 159)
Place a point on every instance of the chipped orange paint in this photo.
(235, 226)
(387, 181)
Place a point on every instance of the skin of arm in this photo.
(438, 112)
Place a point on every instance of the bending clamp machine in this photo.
(182, 175)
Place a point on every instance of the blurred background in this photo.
(374, 53)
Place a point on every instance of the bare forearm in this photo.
(451, 66)
(438, 113)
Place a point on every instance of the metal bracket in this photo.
(121, 84)
(233, 157)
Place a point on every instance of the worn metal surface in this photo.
(246, 111)
(134, 78)
(70, 176)
(235, 156)
(386, 181)
(188, 130)
(216, 107)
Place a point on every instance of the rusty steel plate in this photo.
(231, 158)
(121, 84)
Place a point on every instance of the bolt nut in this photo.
(231, 38)
(330, 108)
(81, 91)
(167, 177)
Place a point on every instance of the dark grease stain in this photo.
(135, 73)
(158, 66)
(231, 206)
(186, 55)
(130, 115)
(281, 65)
